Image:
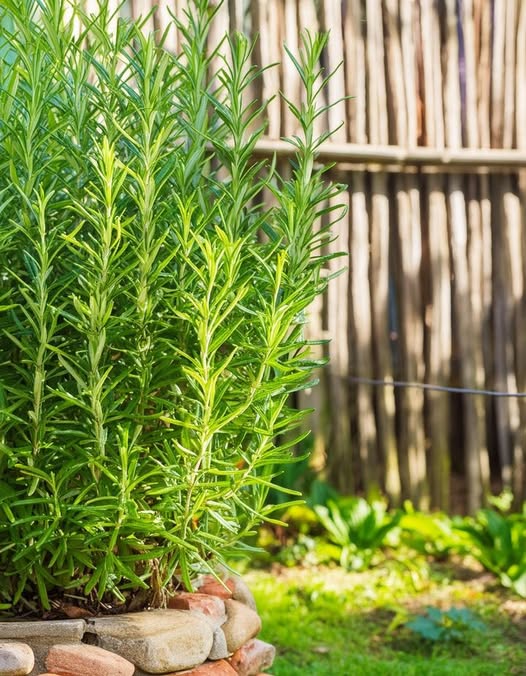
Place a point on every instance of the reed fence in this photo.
(433, 151)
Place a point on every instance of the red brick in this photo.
(219, 668)
(211, 606)
(213, 587)
(81, 659)
(252, 657)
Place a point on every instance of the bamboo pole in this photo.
(396, 75)
(267, 25)
(462, 309)
(486, 224)
(508, 270)
(310, 21)
(520, 75)
(492, 56)
(355, 71)
(361, 357)
(459, 159)
(409, 38)
(142, 10)
(338, 291)
(308, 16)
(236, 11)
(218, 31)
(430, 41)
(519, 469)
(394, 72)
(264, 22)
(410, 402)
(464, 338)
(508, 109)
(380, 232)
(436, 238)
(406, 267)
(513, 212)
(515, 294)
(471, 128)
(438, 338)
(182, 7)
(317, 397)
(498, 24)
(500, 332)
(408, 42)
(479, 300)
(482, 30)
(480, 304)
(163, 23)
(91, 6)
(291, 84)
(377, 93)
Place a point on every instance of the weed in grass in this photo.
(452, 624)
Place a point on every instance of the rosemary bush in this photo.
(151, 305)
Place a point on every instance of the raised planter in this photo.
(208, 632)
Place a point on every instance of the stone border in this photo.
(210, 632)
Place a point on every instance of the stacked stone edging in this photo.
(210, 632)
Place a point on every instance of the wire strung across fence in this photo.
(434, 388)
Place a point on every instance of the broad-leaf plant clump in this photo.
(152, 303)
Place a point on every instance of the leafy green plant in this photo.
(498, 542)
(453, 624)
(150, 336)
(502, 502)
(433, 534)
(358, 527)
(303, 541)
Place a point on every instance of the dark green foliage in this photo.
(353, 531)
(498, 541)
(445, 625)
(360, 528)
(149, 336)
(432, 534)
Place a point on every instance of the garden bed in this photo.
(210, 631)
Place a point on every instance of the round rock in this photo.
(16, 659)
(157, 641)
(242, 624)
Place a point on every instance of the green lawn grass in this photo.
(326, 622)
